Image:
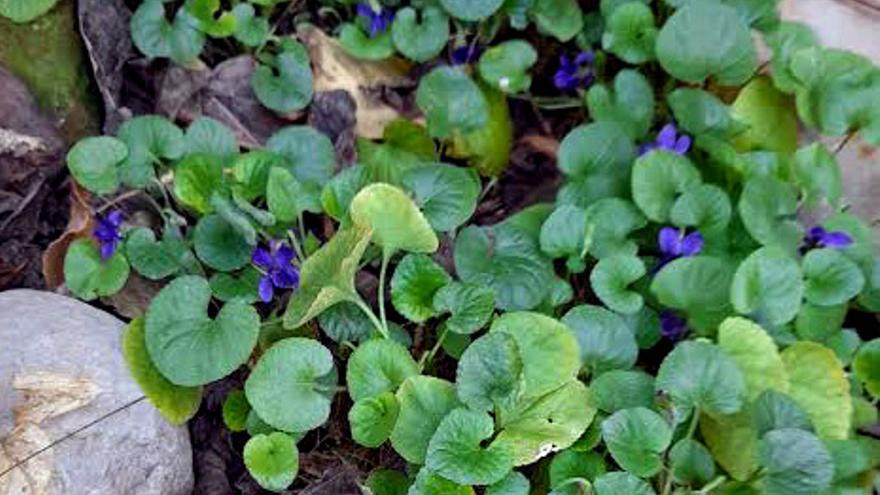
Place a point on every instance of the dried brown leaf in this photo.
(80, 224)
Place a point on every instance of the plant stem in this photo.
(372, 316)
(296, 247)
(429, 356)
(692, 428)
(713, 485)
(386, 257)
(845, 142)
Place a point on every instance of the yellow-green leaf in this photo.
(394, 218)
(756, 355)
(820, 387)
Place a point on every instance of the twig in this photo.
(71, 434)
(24, 203)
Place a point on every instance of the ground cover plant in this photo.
(688, 316)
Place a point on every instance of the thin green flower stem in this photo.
(713, 485)
(845, 142)
(386, 257)
(692, 428)
(372, 316)
(429, 356)
(296, 247)
(486, 190)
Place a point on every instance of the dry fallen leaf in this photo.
(79, 225)
(50, 394)
(31, 477)
(335, 69)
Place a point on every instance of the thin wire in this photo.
(72, 433)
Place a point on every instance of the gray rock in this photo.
(63, 379)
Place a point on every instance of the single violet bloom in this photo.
(818, 237)
(107, 233)
(668, 139)
(574, 74)
(672, 326)
(278, 272)
(674, 244)
(466, 54)
(379, 20)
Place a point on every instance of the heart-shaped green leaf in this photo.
(447, 195)
(769, 115)
(414, 284)
(378, 366)
(196, 178)
(428, 483)
(707, 39)
(208, 136)
(227, 287)
(490, 372)
(251, 172)
(691, 463)
(700, 375)
(866, 366)
(621, 483)
(705, 207)
(149, 138)
(514, 483)
(488, 148)
(420, 36)
(564, 235)
(273, 460)
(342, 188)
(327, 277)
(637, 439)
(186, 345)
(291, 89)
(373, 418)
(507, 259)
(309, 153)
(629, 104)
(236, 410)
(388, 482)
(658, 179)
(699, 285)
(597, 158)
(768, 286)
(287, 197)
(548, 348)
(293, 384)
(152, 259)
(756, 355)
(471, 10)
(470, 305)
(22, 11)
(94, 163)
(611, 279)
(393, 218)
(211, 18)
(630, 33)
(155, 37)
(220, 245)
(505, 66)
(176, 404)
(550, 423)
(563, 19)
(452, 102)
(818, 174)
(424, 402)
(733, 442)
(622, 389)
(831, 278)
(773, 410)
(767, 207)
(701, 113)
(795, 462)
(345, 322)
(819, 386)
(355, 41)
(576, 464)
(250, 29)
(455, 452)
(610, 222)
(604, 339)
(89, 277)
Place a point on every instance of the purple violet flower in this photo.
(672, 326)
(379, 20)
(674, 244)
(278, 272)
(818, 237)
(107, 233)
(668, 139)
(466, 54)
(574, 74)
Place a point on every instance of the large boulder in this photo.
(70, 411)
